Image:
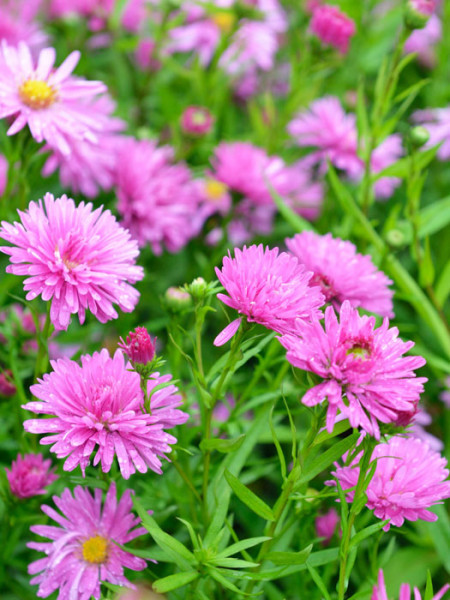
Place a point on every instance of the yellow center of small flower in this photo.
(37, 94)
(224, 21)
(215, 189)
(358, 352)
(95, 550)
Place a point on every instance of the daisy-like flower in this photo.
(100, 405)
(84, 548)
(77, 257)
(409, 479)
(333, 27)
(267, 287)
(50, 101)
(30, 475)
(379, 591)
(342, 273)
(366, 377)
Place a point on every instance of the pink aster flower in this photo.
(139, 347)
(366, 377)
(387, 153)
(50, 101)
(409, 479)
(342, 273)
(379, 591)
(30, 475)
(437, 122)
(77, 257)
(84, 548)
(196, 120)
(18, 23)
(326, 127)
(157, 198)
(326, 525)
(333, 27)
(267, 287)
(100, 405)
(424, 40)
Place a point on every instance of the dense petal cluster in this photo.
(139, 347)
(379, 591)
(84, 548)
(77, 257)
(100, 406)
(366, 377)
(30, 475)
(409, 478)
(332, 26)
(267, 287)
(342, 273)
(50, 101)
(158, 199)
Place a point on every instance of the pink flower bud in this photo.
(333, 27)
(326, 525)
(30, 475)
(196, 120)
(418, 12)
(140, 348)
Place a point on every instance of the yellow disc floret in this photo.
(95, 550)
(224, 20)
(215, 189)
(37, 94)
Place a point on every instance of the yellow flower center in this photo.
(224, 21)
(37, 94)
(215, 189)
(95, 550)
(358, 352)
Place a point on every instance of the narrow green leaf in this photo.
(434, 217)
(242, 545)
(173, 582)
(365, 533)
(290, 558)
(321, 462)
(318, 581)
(250, 499)
(233, 563)
(338, 428)
(429, 589)
(297, 222)
(215, 574)
(426, 270)
(442, 289)
(221, 445)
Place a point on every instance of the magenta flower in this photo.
(158, 200)
(100, 405)
(267, 287)
(50, 101)
(196, 120)
(366, 377)
(139, 347)
(379, 591)
(342, 273)
(30, 475)
(84, 548)
(333, 27)
(326, 525)
(409, 479)
(77, 257)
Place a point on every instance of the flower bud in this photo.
(196, 120)
(30, 475)
(395, 238)
(419, 136)
(140, 348)
(198, 288)
(177, 299)
(418, 12)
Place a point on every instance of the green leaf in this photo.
(429, 589)
(318, 581)
(290, 558)
(250, 499)
(426, 270)
(321, 462)
(221, 445)
(402, 167)
(434, 217)
(297, 223)
(173, 582)
(442, 289)
(232, 563)
(338, 428)
(440, 534)
(242, 545)
(215, 574)
(365, 533)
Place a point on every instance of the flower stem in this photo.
(42, 340)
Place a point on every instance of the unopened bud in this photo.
(395, 238)
(419, 136)
(139, 347)
(418, 12)
(177, 299)
(196, 120)
(197, 289)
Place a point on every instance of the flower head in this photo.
(268, 287)
(333, 27)
(366, 377)
(77, 257)
(18, 24)
(409, 478)
(437, 123)
(50, 101)
(139, 348)
(84, 548)
(342, 273)
(379, 591)
(30, 475)
(196, 120)
(100, 406)
(423, 41)
(326, 525)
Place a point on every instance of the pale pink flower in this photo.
(139, 347)
(417, 429)
(30, 475)
(157, 197)
(201, 36)
(266, 287)
(85, 544)
(50, 101)
(4, 166)
(326, 525)
(409, 479)
(437, 122)
(77, 257)
(424, 40)
(342, 273)
(333, 27)
(100, 405)
(196, 120)
(379, 591)
(18, 23)
(366, 377)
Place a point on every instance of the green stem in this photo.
(42, 340)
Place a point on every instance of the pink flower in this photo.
(157, 199)
(50, 101)
(437, 123)
(326, 525)
(145, 55)
(139, 348)
(342, 273)
(326, 127)
(77, 257)
(200, 36)
(267, 287)
(424, 7)
(445, 395)
(423, 41)
(3, 174)
(409, 479)
(333, 27)
(196, 120)
(387, 153)
(366, 377)
(100, 405)
(417, 430)
(379, 591)
(84, 548)
(30, 475)
(18, 24)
